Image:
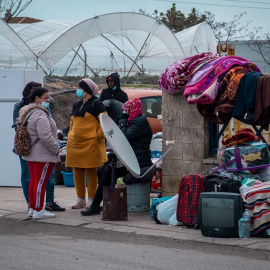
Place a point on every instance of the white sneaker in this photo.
(89, 203)
(30, 212)
(42, 214)
(80, 203)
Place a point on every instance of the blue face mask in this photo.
(114, 88)
(45, 104)
(79, 93)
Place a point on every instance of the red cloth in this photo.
(133, 108)
(39, 176)
(241, 136)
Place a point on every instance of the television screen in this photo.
(219, 213)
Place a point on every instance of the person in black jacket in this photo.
(113, 91)
(137, 130)
(113, 108)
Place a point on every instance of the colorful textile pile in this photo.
(242, 136)
(256, 200)
(217, 84)
(178, 74)
(251, 156)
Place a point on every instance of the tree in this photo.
(228, 31)
(224, 31)
(259, 42)
(13, 7)
(176, 20)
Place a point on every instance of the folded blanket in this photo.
(175, 77)
(241, 136)
(208, 96)
(256, 200)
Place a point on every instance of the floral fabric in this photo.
(133, 108)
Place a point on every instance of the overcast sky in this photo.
(78, 10)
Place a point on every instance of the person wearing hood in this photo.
(51, 205)
(86, 149)
(113, 91)
(44, 151)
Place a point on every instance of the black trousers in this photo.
(104, 174)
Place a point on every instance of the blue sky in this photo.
(79, 10)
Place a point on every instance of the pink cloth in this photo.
(208, 96)
(206, 75)
(133, 108)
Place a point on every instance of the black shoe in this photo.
(91, 211)
(54, 207)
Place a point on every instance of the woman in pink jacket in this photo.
(45, 151)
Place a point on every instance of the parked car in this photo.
(151, 105)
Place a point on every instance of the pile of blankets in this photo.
(222, 87)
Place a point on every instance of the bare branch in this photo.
(15, 7)
(260, 43)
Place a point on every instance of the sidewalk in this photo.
(12, 205)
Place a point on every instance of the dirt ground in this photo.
(64, 95)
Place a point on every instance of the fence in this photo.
(92, 65)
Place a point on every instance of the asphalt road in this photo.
(36, 246)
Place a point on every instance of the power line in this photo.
(265, 3)
(215, 5)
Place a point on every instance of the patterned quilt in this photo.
(257, 201)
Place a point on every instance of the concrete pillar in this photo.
(184, 124)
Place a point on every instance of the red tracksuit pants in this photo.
(39, 176)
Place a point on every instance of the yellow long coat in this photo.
(86, 143)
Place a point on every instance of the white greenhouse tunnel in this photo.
(125, 37)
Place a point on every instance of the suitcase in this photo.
(189, 192)
(221, 185)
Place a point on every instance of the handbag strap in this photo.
(34, 142)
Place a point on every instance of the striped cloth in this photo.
(257, 200)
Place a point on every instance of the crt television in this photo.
(219, 213)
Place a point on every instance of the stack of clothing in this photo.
(222, 87)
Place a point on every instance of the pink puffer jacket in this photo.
(41, 125)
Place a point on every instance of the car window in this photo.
(152, 106)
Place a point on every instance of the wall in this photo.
(182, 123)
(242, 50)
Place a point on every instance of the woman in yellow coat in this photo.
(86, 149)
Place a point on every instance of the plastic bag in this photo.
(166, 209)
(174, 222)
(264, 174)
(155, 202)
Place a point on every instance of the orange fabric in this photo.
(86, 143)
